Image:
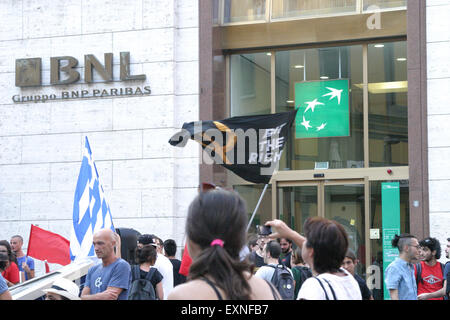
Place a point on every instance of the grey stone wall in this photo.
(147, 182)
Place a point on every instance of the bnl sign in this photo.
(28, 71)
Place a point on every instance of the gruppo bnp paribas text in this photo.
(63, 72)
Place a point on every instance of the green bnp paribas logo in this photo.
(323, 109)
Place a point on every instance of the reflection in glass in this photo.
(251, 195)
(345, 204)
(316, 65)
(383, 4)
(244, 10)
(296, 204)
(376, 223)
(250, 84)
(305, 8)
(388, 104)
(216, 12)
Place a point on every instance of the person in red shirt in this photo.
(11, 273)
(429, 273)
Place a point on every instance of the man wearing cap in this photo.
(62, 289)
(162, 263)
(110, 279)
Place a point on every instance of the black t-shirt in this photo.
(177, 277)
(286, 259)
(365, 292)
(155, 279)
(256, 259)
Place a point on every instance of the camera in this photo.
(264, 230)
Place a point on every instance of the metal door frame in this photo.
(321, 200)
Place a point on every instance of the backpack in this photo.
(419, 273)
(283, 281)
(141, 289)
(305, 273)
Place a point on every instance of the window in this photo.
(388, 104)
(370, 5)
(250, 84)
(250, 11)
(321, 65)
(244, 10)
(307, 8)
(297, 70)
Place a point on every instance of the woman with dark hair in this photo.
(323, 249)
(300, 271)
(145, 258)
(11, 273)
(216, 232)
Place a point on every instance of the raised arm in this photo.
(283, 231)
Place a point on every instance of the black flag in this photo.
(250, 146)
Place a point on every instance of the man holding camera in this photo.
(257, 256)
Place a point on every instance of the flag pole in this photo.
(257, 206)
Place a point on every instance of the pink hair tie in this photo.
(216, 242)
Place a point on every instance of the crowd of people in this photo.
(282, 264)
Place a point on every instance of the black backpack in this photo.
(305, 273)
(141, 289)
(283, 280)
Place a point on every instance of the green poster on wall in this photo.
(390, 213)
(324, 109)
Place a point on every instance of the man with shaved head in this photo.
(110, 279)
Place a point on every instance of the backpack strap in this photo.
(320, 282)
(274, 291)
(150, 273)
(418, 273)
(332, 291)
(136, 272)
(219, 296)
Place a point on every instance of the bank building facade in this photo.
(128, 74)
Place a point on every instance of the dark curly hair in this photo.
(432, 244)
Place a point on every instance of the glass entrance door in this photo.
(342, 201)
(345, 204)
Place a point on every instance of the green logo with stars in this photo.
(323, 109)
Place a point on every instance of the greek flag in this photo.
(90, 210)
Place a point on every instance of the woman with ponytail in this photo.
(216, 233)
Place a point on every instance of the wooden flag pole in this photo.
(257, 206)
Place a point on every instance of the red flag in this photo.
(47, 267)
(46, 245)
(186, 262)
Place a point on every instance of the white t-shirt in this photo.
(345, 288)
(165, 267)
(266, 272)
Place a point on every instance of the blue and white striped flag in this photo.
(90, 210)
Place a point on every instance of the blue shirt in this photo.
(446, 272)
(117, 274)
(3, 285)
(30, 263)
(399, 275)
